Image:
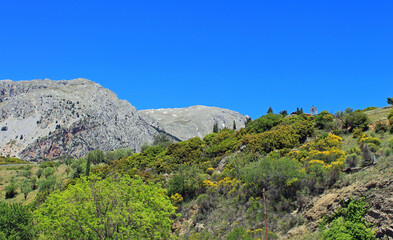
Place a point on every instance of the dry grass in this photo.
(6, 172)
(378, 114)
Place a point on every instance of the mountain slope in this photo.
(47, 119)
(195, 121)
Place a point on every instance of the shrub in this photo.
(353, 119)
(391, 142)
(390, 117)
(264, 123)
(48, 172)
(10, 190)
(369, 108)
(16, 222)
(357, 133)
(281, 177)
(348, 222)
(388, 152)
(323, 119)
(39, 173)
(352, 160)
(186, 182)
(380, 126)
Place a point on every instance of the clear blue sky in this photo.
(241, 55)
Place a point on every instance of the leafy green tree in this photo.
(353, 119)
(48, 184)
(390, 101)
(16, 222)
(39, 173)
(48, 172)
(90, 158)
(26, 187)
(113, 208)
(323, 119)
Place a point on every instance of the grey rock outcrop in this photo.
(195, 121)
(48, 119)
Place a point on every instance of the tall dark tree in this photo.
(234, 125)
(215, 127)
(270, 110)
(90, 158)
(390, 101)
(284, 113)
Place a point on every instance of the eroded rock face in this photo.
(46, 119)
(195, 121)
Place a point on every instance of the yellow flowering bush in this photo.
(177, 198)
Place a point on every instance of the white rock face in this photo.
(48, 119)
(195, 121)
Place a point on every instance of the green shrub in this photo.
(352, 160)
(388, 152)
(16, 222)
(186, 181)
(323, 120)
(264, 123)
(369, 108)
(380, 126)
(10, 191)
(391, 142)
(281, 177)
(48, 172)
(39, 172)
(357, 133)
(348, 222)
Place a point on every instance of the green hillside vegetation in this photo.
(211, 188)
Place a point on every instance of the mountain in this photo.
(185, 123)
(47, 119)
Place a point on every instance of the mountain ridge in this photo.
(48, 119)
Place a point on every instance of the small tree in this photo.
(270, 110)
(90, 158)
(25, 187)
(215, 127)
(284, 113)
(48, 171)
(39, 173)
(234, 125)
(390, 101)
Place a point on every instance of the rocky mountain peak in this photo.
(47, 119)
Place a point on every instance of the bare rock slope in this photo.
(47, 119)
(195, 121)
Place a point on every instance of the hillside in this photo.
(195, 121)
(323, 177)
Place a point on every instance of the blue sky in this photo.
(240, 55)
